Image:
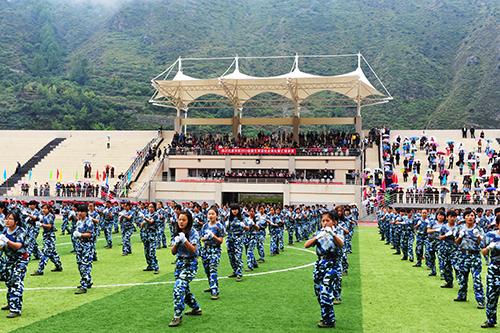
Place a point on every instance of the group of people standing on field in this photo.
(196, 230)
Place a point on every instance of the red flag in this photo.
(97, 175)
(491, 180)
(57, 174)
(383, 184)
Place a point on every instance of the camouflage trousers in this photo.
(49, 253)
(108, 230)
(84, 256)
(492, 292)
(185, 271)
(250, 244)
(235, 252)
(149, 241)
(14, 280)
(274, 244)
(430, 253)
(210, 256)
(327, 279)
(465, 264)
(420, 247)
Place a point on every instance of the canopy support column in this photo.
(177, 121)
(237, 121)
(185, 117)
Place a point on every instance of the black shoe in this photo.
(214, 297)
(194, 312)
(261, 260)
(208, 290)
(480, 305)
(447, 285)
(5, 308)
(404, 258)
(147, 269)
(432, 274)
(72, 251)
(417, 265)
(487, 325)
(249, 270)
(411, 260)
(36, 273)
(239, 278)
(232, 276)
(57, 269)
(156, 272)
(460, 300)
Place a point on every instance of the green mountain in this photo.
(87, 64)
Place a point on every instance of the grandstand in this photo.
(65, 163)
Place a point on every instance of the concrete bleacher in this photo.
(20, 146)
(80, 147)
(441, 136)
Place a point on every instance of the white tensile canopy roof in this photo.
(238, 87)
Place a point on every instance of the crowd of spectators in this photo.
(310, 143)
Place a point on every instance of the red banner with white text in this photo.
(257, 151)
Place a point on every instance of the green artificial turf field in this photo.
(380, 294)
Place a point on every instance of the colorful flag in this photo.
(4, 174)
(50, 174)
(57, 174)
(30, 174)
(76, 175)
(97, 175)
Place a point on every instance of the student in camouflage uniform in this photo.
(492, 249)
(84, 230)
(235, 229)
(185, 247)
(212, 235)
(149, 233)
(49, 242)
(13, 242)
(469, 259)
(329, 242)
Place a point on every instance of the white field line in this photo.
(134, 284)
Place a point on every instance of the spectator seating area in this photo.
(66, 163)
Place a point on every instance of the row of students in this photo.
(453, 242)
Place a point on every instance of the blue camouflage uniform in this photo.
(163, 216)
(211, 253)
(421, 230)
(493, 276)
(149, 234)
(107, 225)
(94, 215)
(234, 243)
(49, 244)
(327, 273)
(84, 252)
(65, 226)
(32, 230)
(15, 268)
(274, 226)
(432, 244)
(186, 267)
(250, 242)
(3, 260)
(290, 225)
(469, 260)
(261, 234)
(127, 225)
(447, 252)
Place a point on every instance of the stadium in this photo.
(262, 197)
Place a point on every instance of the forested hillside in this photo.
(87, 65)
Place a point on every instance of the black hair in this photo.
(214, 208)
(49, 207)
(177, 207)
(82, 208)
(238, 215)
(152, 203)
(190, 223)
(332, 214)
(451, 212)
(441, 212)
(17, 217)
